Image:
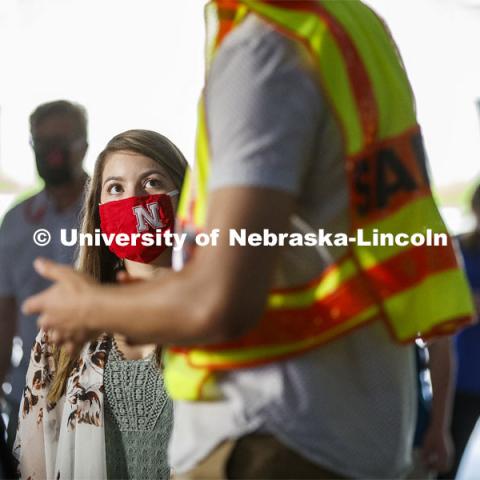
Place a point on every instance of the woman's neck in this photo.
(133, 352)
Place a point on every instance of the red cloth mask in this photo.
(152, 214)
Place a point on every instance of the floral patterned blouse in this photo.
(66, 440)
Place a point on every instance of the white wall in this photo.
(439, 41)
(133, 64)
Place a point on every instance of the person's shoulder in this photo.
(14, 218)
(256, 49)
(255, 34)
(17, 210)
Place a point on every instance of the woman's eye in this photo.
(114, 189)
(152, 183)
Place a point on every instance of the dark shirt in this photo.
(468, 340)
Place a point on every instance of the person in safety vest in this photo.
(291, 330)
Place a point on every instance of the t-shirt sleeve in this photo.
(6, 285)
(263, 108)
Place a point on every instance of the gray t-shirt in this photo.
(349, 405)
(18, 279)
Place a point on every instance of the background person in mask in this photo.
(59, 142)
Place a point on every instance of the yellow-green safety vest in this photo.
(416, 290)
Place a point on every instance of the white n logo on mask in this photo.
(147, 216)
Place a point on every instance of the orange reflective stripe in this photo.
(353, 296)
(211, 362)
(359, 79)
(410, 267)
(227, 10)
(259, 355)
(292, 325)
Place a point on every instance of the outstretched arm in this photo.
(218, 295)
(437, 448)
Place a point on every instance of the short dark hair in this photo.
(60, 107)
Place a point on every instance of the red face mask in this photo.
(152, 214)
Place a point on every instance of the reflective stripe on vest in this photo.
(416, 291)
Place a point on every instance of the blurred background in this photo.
(138, 64)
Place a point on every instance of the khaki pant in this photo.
(256, 456)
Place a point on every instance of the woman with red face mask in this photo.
(105, 412)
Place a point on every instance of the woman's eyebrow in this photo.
(158, 172)
(154, 170)
(111, 178)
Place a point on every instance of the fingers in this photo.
(429, 455)
(432, 463)
(52, 270)
(130, 342)
(66, 340)
(73, 349)
(124, 278)
(43, 323)
(54, 336)
(70, 346)
(34, 304)
(436, 460)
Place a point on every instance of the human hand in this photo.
(124, 278)
(437, 449)
(66, 308)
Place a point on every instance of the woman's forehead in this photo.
(128, 164)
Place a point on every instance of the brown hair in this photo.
(98, 261)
